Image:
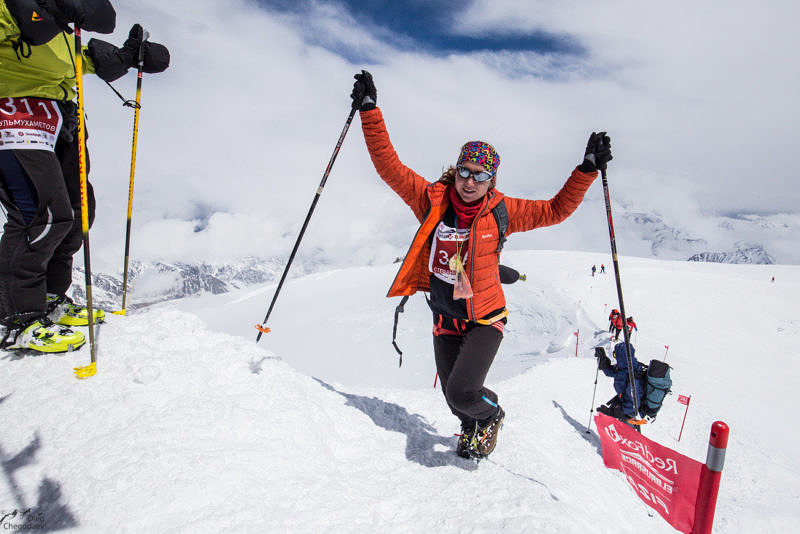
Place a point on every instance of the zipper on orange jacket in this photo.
(471, 311)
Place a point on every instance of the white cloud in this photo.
(235, 136)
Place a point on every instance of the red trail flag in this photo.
(665, 480)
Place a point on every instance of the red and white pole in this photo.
(684, 400)
(577, 334)
(711, 473)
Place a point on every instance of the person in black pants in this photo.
(39, 164)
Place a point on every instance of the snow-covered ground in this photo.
(189, 426)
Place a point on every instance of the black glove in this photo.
(603, 362)
(155, 56)
(598, 153)
(364, 94)
(69, 126)
(94, 16)
(111, 62)
(129, 53)
(39, 21)
(66, 10)
(508, 275)
(36, 25)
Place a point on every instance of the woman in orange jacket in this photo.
(455, 256)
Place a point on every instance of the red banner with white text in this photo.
(664, 479)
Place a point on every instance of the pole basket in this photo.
(261, 328)
(86, 371)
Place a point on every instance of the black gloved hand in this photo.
(364, 94)
(155, 56)
(598, 153)
(603, 361)
(69, 10)
(111, 62)
(129, 53)
(508, 275)
(36, 25)
(95, 16)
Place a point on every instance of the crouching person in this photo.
(620, 406)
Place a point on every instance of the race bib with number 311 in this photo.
(29, 123)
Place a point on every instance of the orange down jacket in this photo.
(429, 201)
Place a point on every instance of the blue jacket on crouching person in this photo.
(621, 385)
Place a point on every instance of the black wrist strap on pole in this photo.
(128, 103)
(397, 311)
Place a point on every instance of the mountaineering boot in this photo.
(465, 439)
(43, 336)
(62, 310)
(486, 434)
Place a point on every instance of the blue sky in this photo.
(430, 27)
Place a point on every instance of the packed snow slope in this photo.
(189, 426)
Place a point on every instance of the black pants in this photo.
(463, 360)
(40, 191)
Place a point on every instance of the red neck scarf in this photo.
(465, 213)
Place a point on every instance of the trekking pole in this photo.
(136, 106)
(262, 327)
(91, 369)
(591, 408)
(625, 331)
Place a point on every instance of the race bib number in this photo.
(29, 123)
(446, 241)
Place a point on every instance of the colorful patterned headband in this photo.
(481, 153)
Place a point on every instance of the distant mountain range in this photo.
(744, 253)
(152, 282)
(668, 242)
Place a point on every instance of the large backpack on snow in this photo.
(657, 385)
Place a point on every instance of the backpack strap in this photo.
(501, 218)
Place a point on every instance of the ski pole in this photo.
(625, 331)
(262, 327)
(594, 392)
(91, 369)
(136, 106)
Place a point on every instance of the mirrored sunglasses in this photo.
(480, 176)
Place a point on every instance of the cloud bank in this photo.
(235, 136)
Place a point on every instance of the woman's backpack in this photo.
(658, 384)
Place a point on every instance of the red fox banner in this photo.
(666, 480)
